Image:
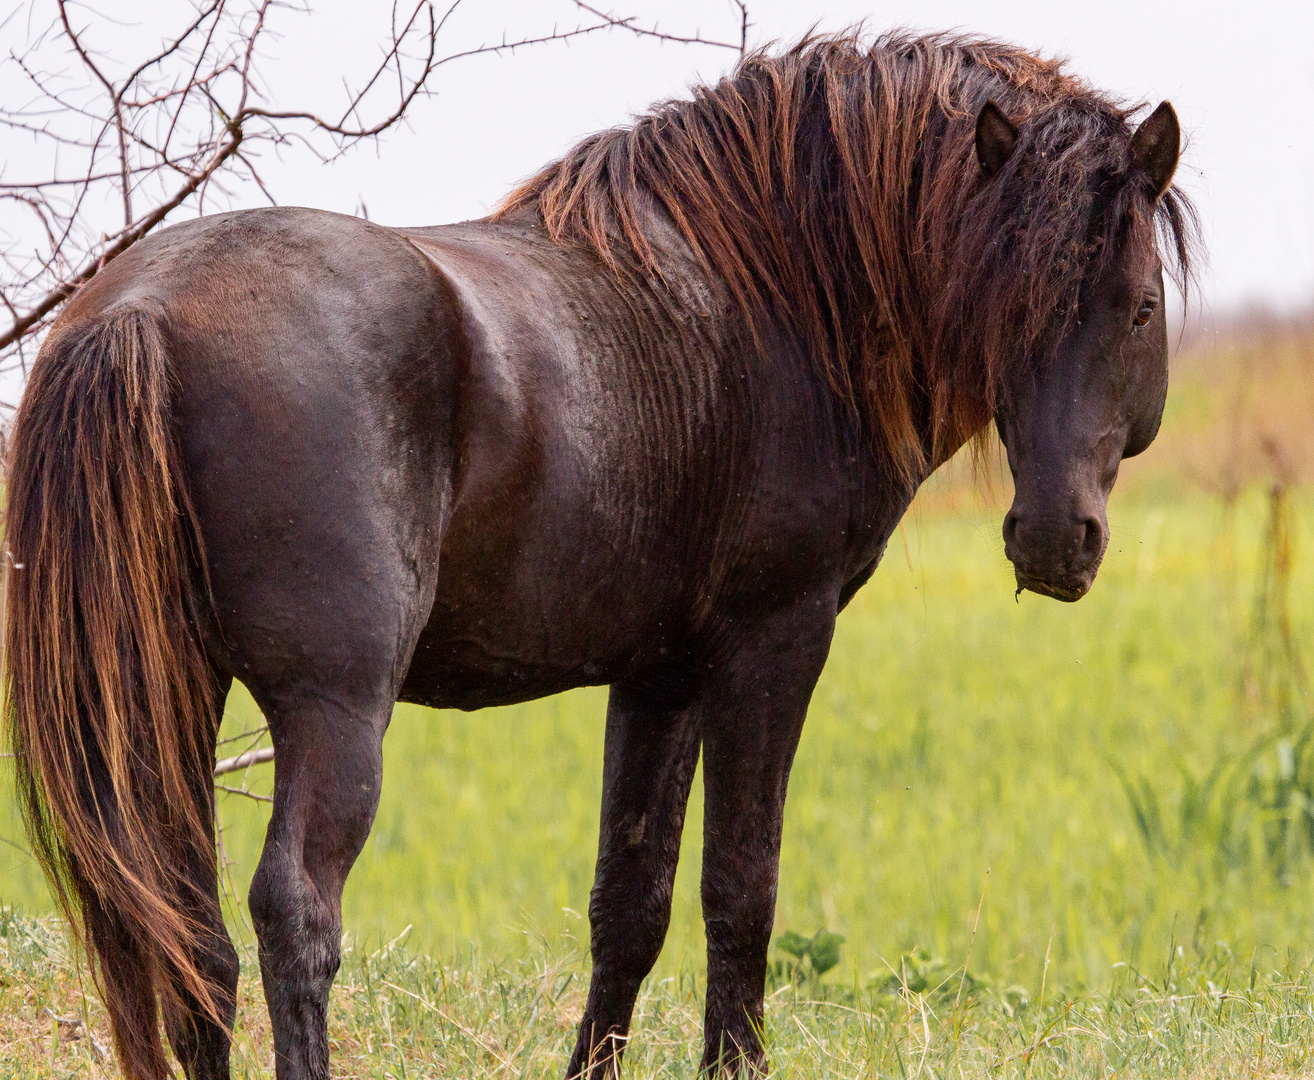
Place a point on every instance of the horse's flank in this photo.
(836, 186)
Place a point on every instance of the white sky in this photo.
(1240, 76)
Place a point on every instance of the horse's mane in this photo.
(837, 186)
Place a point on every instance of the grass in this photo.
(1056, 839)
(398, 1013)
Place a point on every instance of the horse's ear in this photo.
(996, 138)
(1156, 146)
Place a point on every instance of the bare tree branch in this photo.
(251, 736)
(116, 103)
(188, 118)
(120, 243)
(243, 761)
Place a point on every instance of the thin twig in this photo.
(252, 733)
(126, 239)
(629, 23)
(742, 5)
(243, 791)
(16, 846)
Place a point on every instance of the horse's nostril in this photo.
(1010, 528)
(1092, 543)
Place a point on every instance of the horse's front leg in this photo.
(750, 731)
(649, 759)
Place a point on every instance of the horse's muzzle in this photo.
(1055, 556)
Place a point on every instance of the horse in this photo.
(649, 425)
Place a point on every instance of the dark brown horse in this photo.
(650, 425)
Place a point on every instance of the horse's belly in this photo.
(445, 676)
(470, 668)
(500, 646)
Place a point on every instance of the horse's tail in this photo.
(112, 705)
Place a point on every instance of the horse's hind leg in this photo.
(328, 754)
(327, 686)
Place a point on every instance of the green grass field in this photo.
(956, 731)
(1122, 788)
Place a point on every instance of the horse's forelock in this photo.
(837, 184)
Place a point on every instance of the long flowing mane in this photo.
(835, 187)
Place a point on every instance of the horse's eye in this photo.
(1144, 314)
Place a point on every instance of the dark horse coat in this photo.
(649, 426)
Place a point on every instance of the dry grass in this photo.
(397, 1014)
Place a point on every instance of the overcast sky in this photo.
(1240, 76)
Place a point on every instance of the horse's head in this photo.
(1068, 423)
